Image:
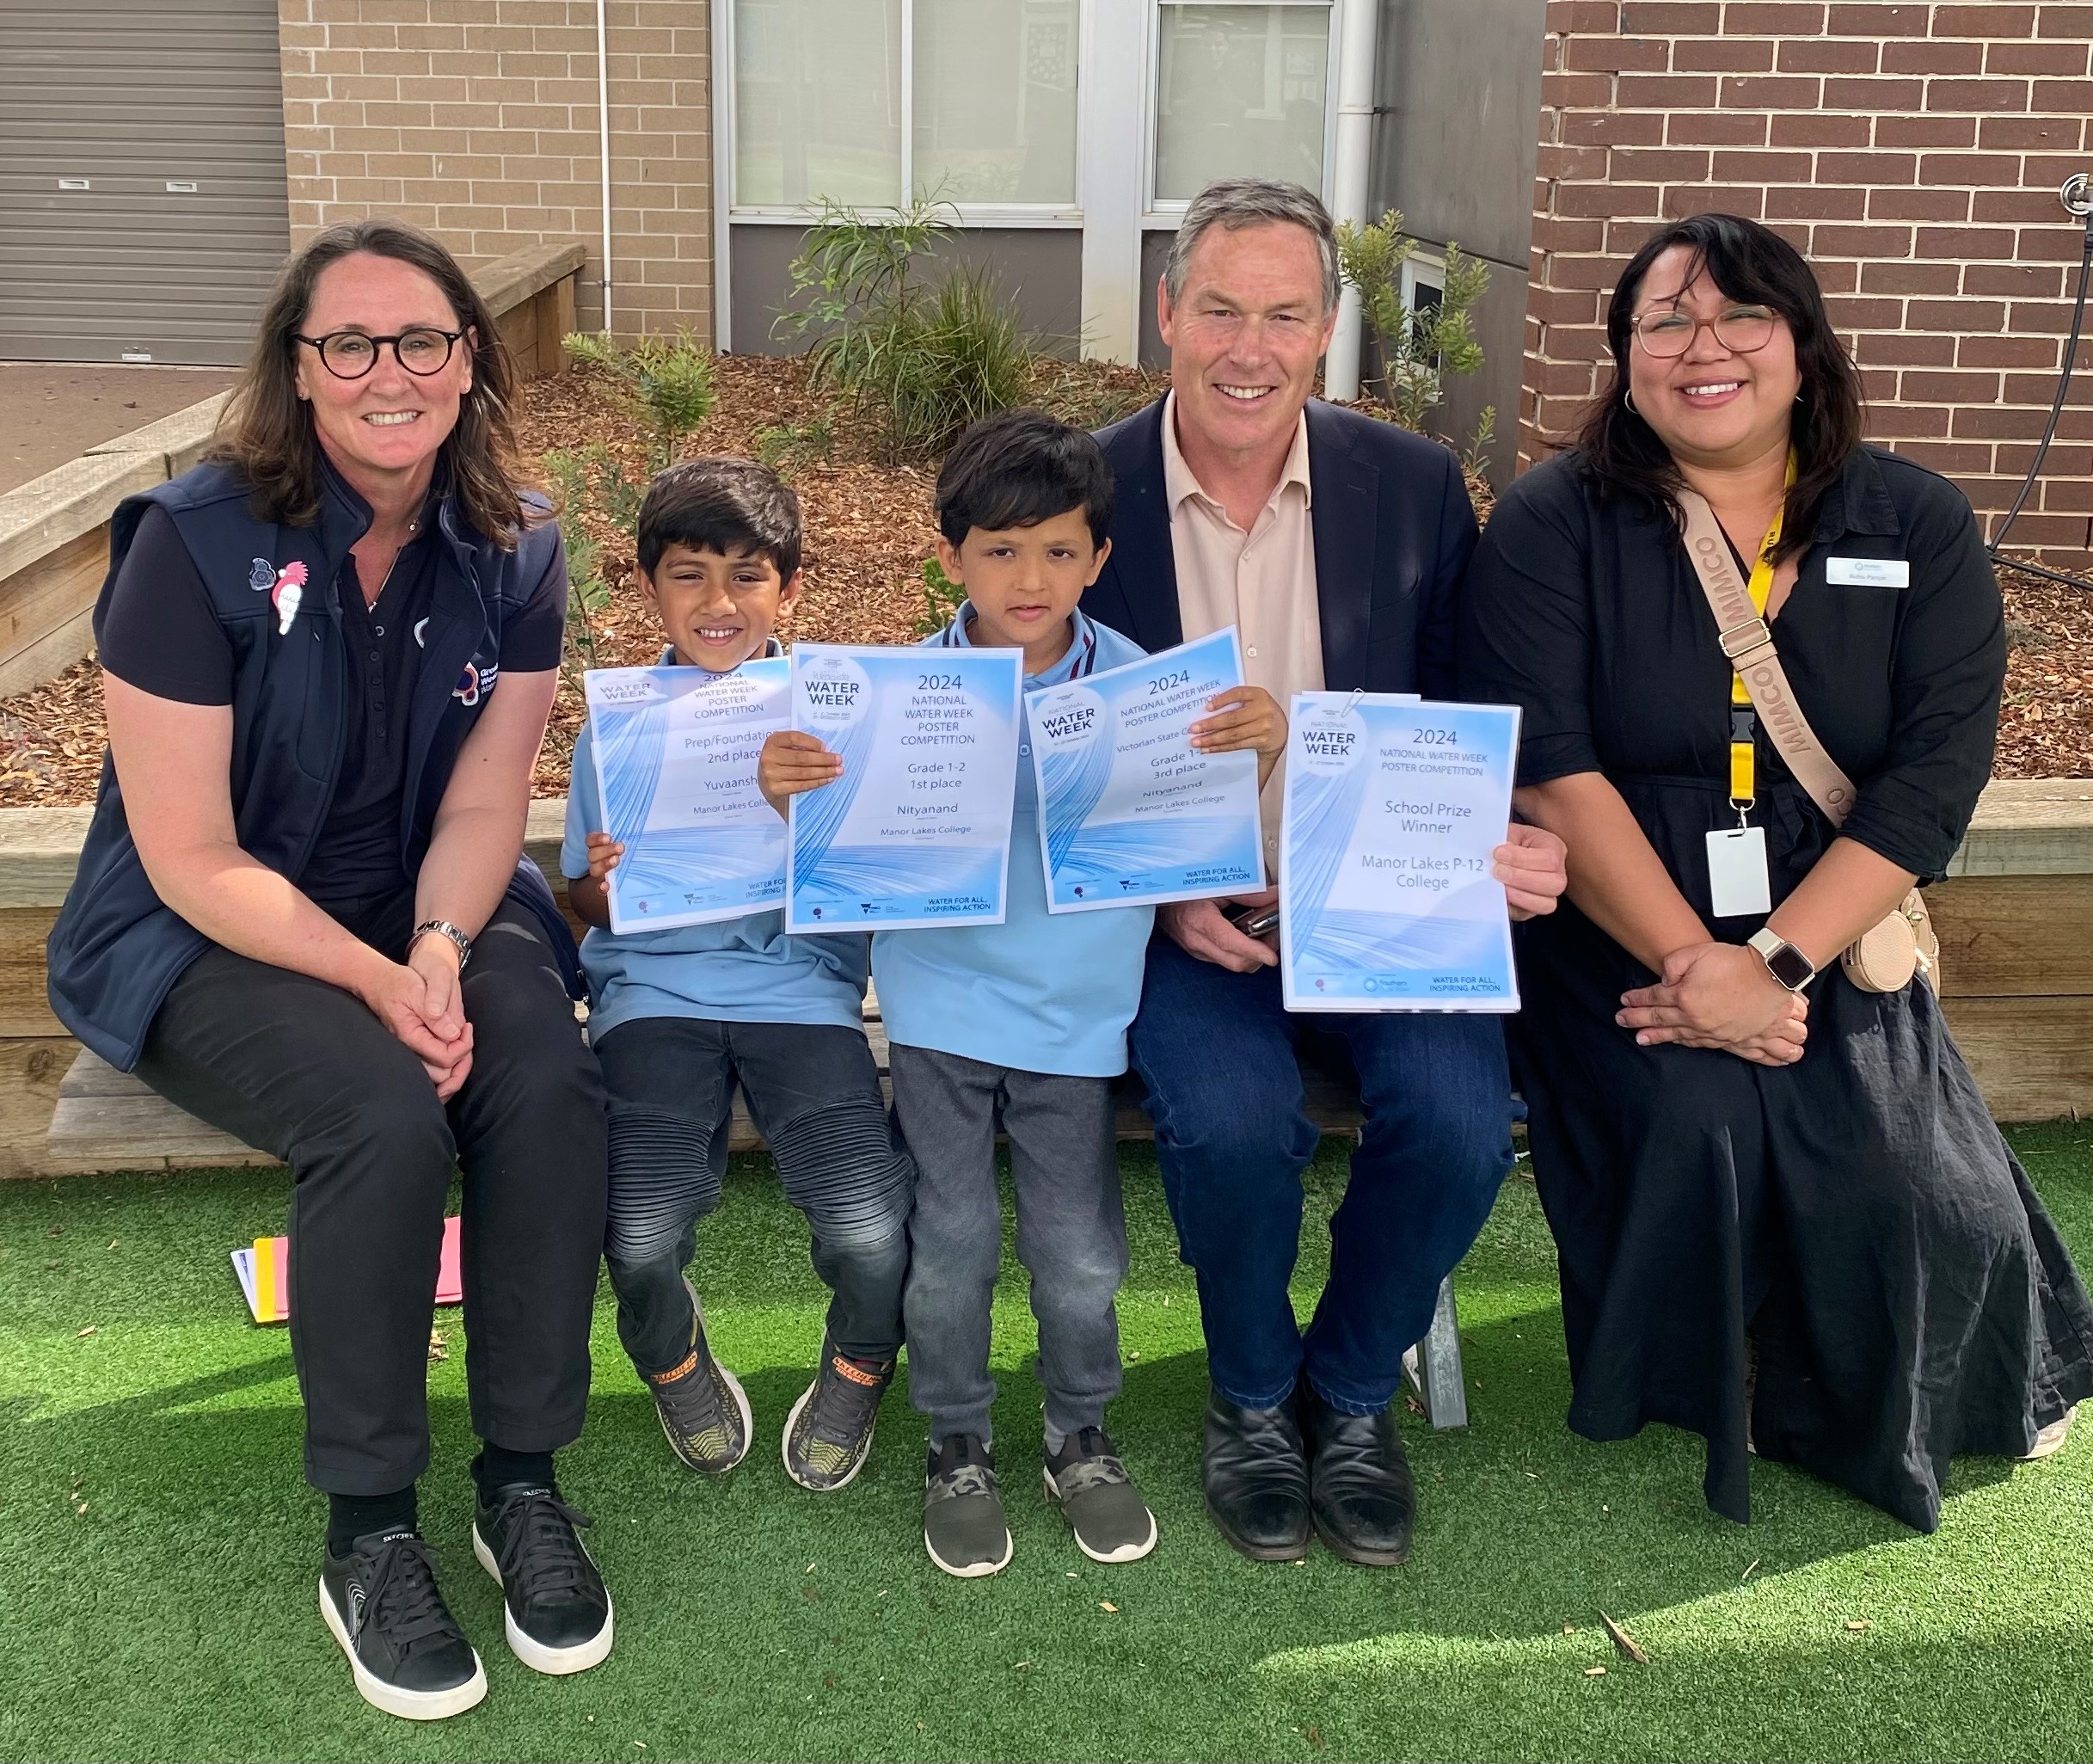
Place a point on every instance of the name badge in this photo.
(1737, 881)
(1868, 572)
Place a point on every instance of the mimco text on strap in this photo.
(1747, 641)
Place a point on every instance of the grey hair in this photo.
(1241, 202)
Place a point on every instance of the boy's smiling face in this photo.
(1024, 582)
(718, 610)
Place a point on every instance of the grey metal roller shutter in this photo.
(143, 204)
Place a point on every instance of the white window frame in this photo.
(1159, 214)
(1063, 215)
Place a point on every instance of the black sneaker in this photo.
(409, 1657)
(555, 1611)
(963, 1526)
(1111, 1521)
(703, 1411)
(830, 1429)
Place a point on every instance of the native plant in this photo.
(669, 381)
(917, 356)
(785, 447)
(585, 479)
(941, 598)
(1418, 349)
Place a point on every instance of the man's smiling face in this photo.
(1245, 334)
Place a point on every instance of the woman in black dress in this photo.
(1737, 1173)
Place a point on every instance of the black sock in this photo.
(352, 1516)
(497, 1467)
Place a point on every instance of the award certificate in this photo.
(1392, 809)
(1129, 810)
(675, 753)
(917, 831)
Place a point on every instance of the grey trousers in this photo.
(1071, 1234)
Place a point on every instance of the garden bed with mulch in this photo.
(868, 530)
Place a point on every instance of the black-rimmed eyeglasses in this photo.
(349, 355)
(1740, 330)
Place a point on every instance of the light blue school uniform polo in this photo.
(1041, 992)
(736, 970)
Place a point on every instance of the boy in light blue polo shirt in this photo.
(1023, 1024)
(683, 1015)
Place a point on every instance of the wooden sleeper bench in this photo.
(109, 1120)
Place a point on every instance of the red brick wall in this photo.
(1913, 152)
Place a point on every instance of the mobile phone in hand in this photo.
(1255, 921)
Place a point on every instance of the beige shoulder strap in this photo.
(1748, 642)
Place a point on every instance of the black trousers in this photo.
(302, 1069)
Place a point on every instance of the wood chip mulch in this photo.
(869, 530)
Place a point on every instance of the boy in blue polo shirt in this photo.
(1024, 1024)
(683, 1015)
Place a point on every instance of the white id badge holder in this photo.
(1737, 881)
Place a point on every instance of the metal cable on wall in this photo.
(2077, 196)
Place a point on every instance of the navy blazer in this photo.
(1393, 530)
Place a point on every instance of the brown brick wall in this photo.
(478, 120)
(1912, 151)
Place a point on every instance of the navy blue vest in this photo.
(116, 949)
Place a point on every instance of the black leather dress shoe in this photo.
(1359, 1488)
(1256, 1478)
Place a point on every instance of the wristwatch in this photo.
(443, 928)
(1786, 963)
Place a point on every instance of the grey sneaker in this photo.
(829, 1432)
(1111, 1521)
(963, 1526)
(703, 1411)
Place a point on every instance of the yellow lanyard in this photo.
(1743, 753)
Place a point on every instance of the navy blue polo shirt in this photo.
(160, 634)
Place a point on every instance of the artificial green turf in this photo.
(173, 1617)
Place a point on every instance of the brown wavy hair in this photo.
(266, 433)
(1622, 455)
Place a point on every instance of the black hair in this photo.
(723, 504)
(1018, 468)
(1621, 454)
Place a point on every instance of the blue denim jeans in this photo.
(1217, 1052)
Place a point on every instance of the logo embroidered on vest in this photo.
(287, 592)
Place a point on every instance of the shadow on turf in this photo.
(1518, 1519)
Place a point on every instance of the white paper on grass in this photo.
(917, 831)
(675, 751)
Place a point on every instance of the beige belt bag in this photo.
(1884, 958)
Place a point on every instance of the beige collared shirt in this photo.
(1262, 581)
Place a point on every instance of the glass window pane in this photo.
(1239, 93)
(817, 102)
(995, 100)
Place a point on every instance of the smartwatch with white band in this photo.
(1786, 963)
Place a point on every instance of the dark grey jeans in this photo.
(814, 1092)
(1071, 1234)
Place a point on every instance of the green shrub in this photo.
(940, 598)
(787, 446)
(1417, 350)
(668, 379)
(589, 479)
(919, 361)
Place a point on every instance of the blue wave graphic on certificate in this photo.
(1130, 811)
(675, 752)
(917, 830)
(1393, 807)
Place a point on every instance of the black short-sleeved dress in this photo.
(1857, 1212)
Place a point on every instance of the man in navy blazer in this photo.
(1240, 500)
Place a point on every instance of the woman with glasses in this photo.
(1783, 1218)
(329, 655)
